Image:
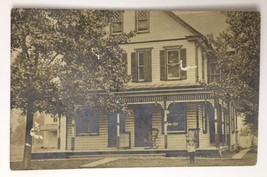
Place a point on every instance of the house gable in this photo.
(163, 25)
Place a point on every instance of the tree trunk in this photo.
(28, 138)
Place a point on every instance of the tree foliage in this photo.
(238, 53)
(62, 61)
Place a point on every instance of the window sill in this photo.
(176, 132)
(142, 32)
(88, 134)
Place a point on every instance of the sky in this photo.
(205, 22)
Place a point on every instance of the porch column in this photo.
(223, 125)
(58, 131)
(165, 125)
(118, 131)
(72, 134)
(216, 123)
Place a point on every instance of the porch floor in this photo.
(113, 152)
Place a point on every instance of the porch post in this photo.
(58, 131)
(165, 126)
(72, 134)
(118, 130)
(216, 123)
(223, 125)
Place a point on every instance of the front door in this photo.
(142, 125)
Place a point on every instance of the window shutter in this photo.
(147, 66)
(134, 67)
(124, 60)
(183, 58)
(163, 65)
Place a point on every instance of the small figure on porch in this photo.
(191, 149)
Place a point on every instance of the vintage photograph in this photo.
(133, 88)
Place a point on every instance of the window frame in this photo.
(137, 20)
(175, 64)
(140, 66)
(184, 114)
(89, 124)
(147, 65)
(216, 76)
(121, 22)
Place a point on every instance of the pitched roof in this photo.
(186, 25)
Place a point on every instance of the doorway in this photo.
(142, 124)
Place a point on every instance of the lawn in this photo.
(54, 164)
(248, 160)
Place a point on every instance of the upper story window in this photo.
(214, 73)
(87, 122)
(142, 21)
(117, 22)
(141, 65)
(170, 63)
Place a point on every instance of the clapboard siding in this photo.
(178, 141)
(204, 138)
(83, 143)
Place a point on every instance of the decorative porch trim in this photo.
(157, 98)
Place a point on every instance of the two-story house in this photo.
(168, 105)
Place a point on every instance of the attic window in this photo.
(117, 22)
(142, 21)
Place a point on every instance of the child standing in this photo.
(191, 149)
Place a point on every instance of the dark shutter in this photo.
(163, 65)
(183, 58)
(147, 66)
(134, 67)
(124, 59)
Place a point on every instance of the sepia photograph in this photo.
(95, 88)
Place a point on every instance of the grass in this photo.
(54, 164)
(248, 160)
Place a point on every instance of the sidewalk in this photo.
(240, 154)
(99, 162)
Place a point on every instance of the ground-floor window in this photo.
(87, 122)
(176, 118)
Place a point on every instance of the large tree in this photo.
(238, 53)
(58, 58)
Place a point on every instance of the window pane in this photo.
(140, 59)
(143, 25)
(141, 73)
(176, 120)
(142, 15)
(87, 121)
(173, 71)
(94, 122)
(117, 27)
(173, 57)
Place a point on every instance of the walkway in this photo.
(240, 154)
(99, 162)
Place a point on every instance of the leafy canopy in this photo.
(238, 53)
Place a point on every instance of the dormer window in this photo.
(142, 21)
(117, 22)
